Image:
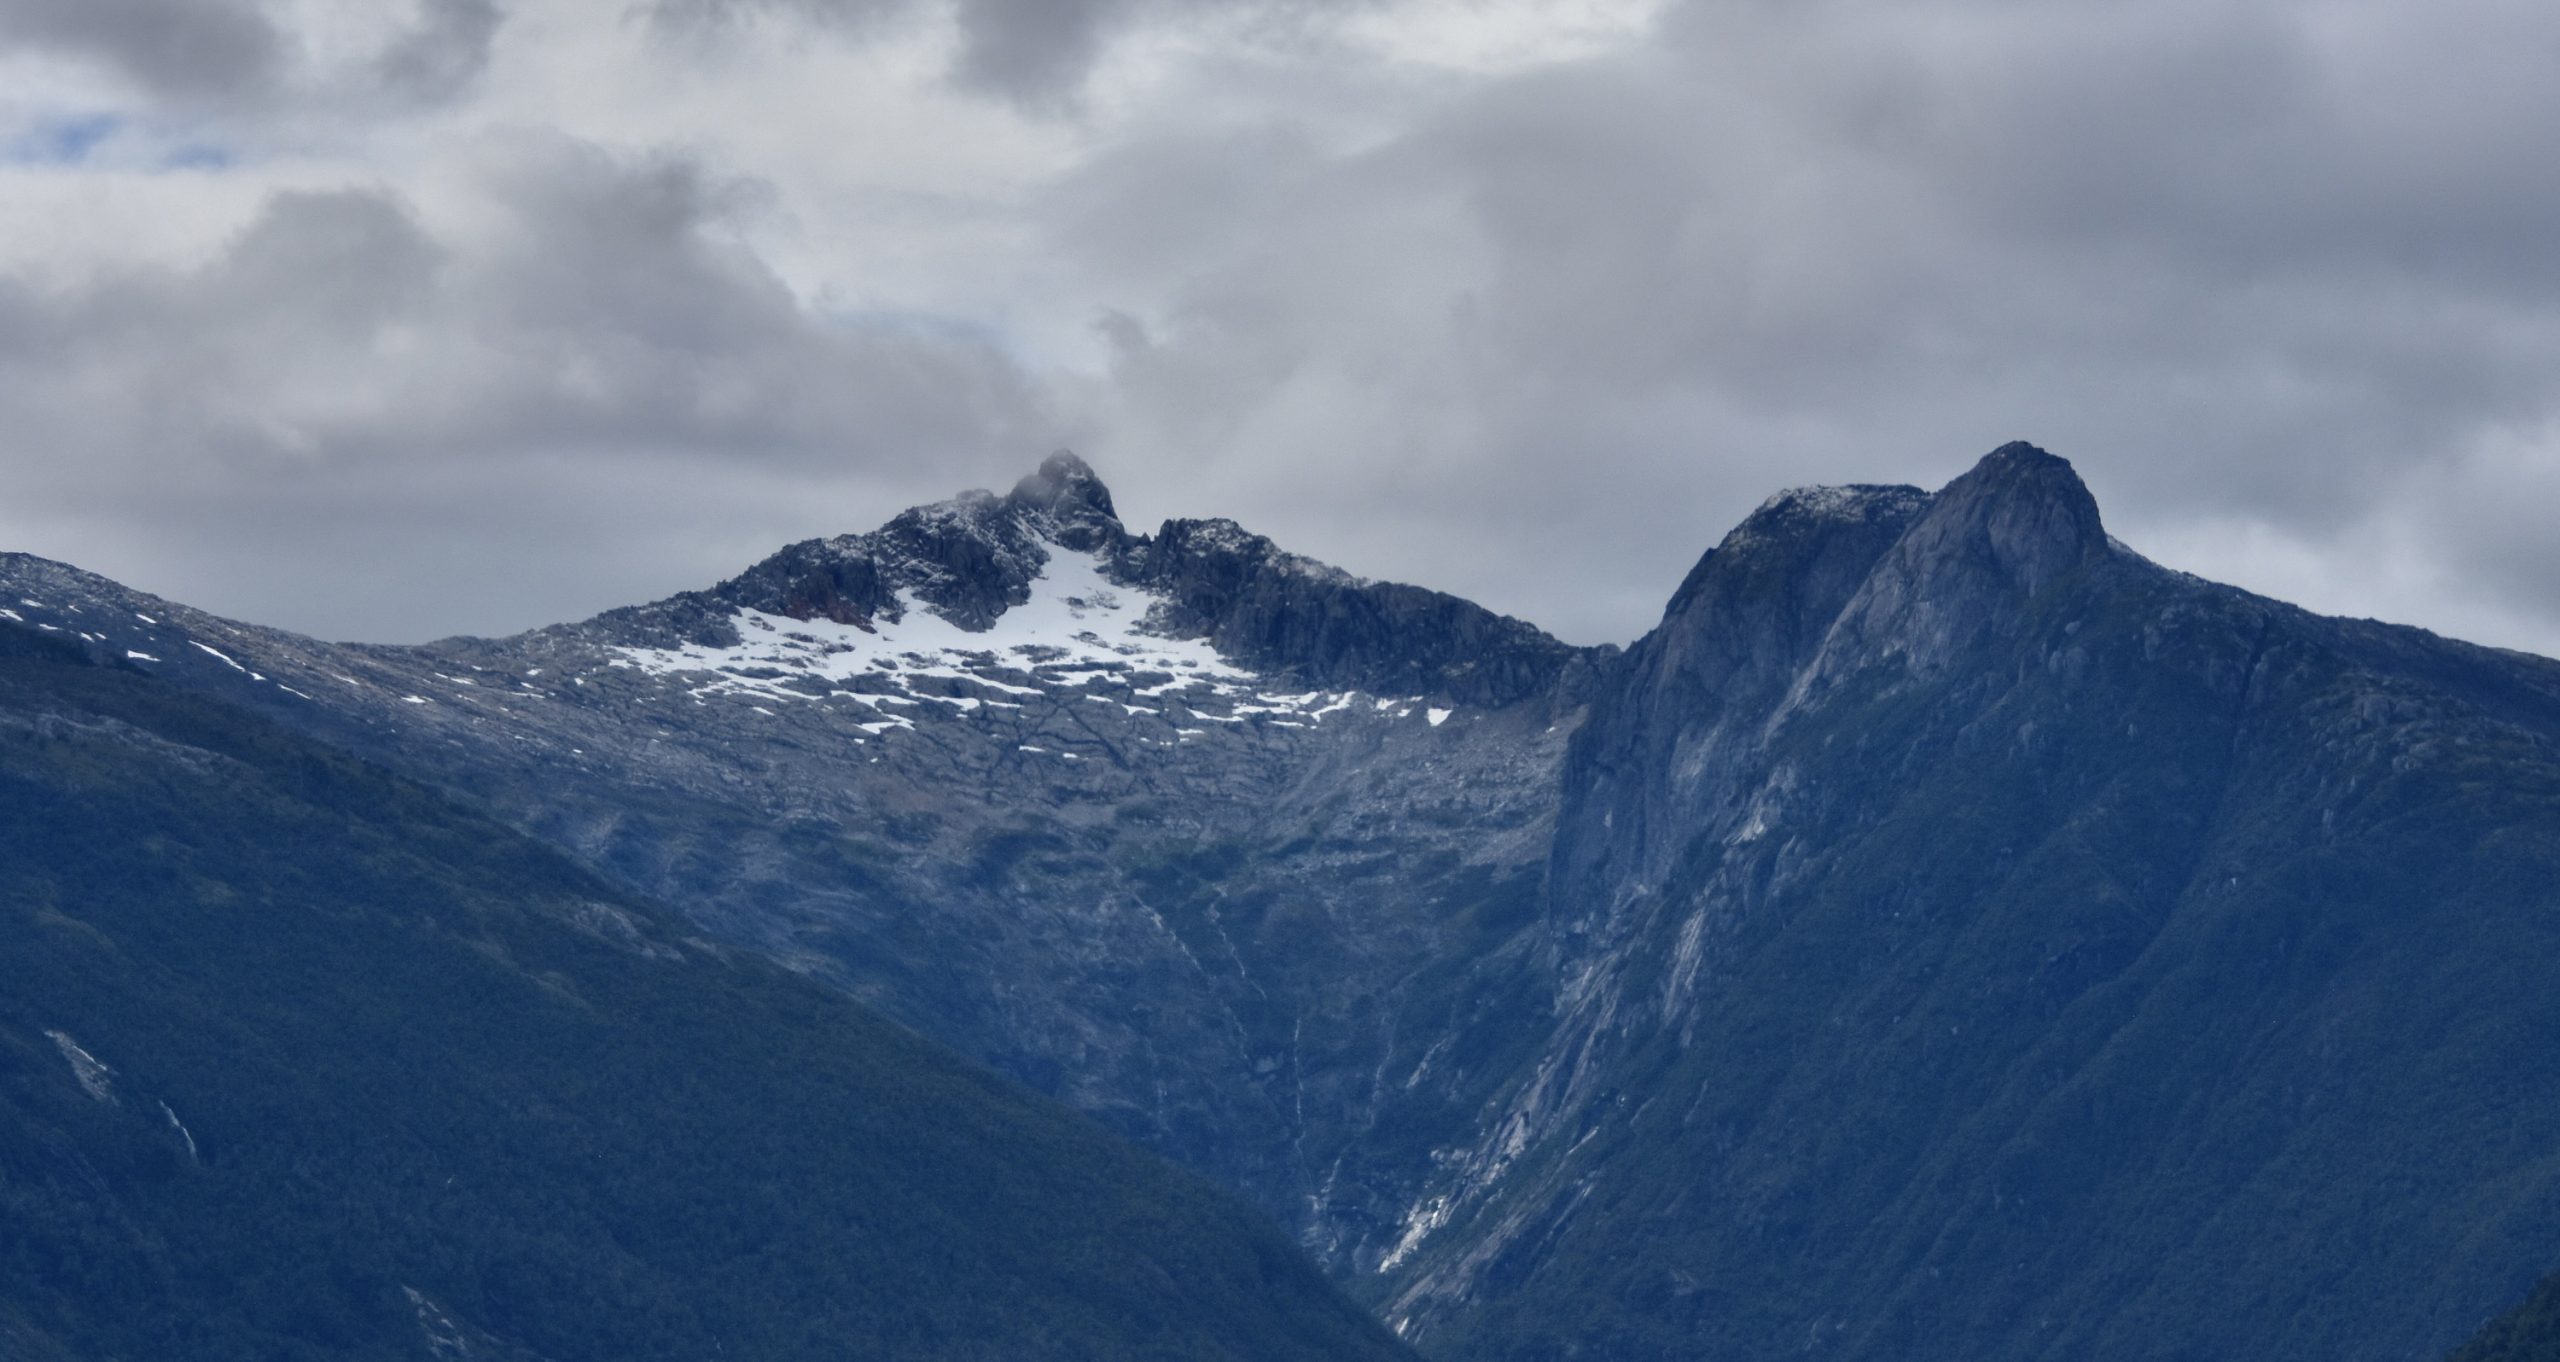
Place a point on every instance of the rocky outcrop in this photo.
(1292, 616)
(968, 560)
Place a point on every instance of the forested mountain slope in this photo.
(2530, 1332)
(302, 1060)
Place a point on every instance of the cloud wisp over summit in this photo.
(471, 314)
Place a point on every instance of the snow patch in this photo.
(444, 1337)
(183, 1133)
(1075, 630)
(217, 653)
(1420, 1220)
(96, 1079)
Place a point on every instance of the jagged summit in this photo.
(1825, 501)
(2026, 507)
(1969, 563)
(1798, 512)
(1065, 490)
(2021, 454)
(968, 560)
(969, 566)
(1791, 562)
(2019, 509)
(1828, 578)
(2020, 515)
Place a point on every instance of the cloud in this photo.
(440, 57)
(1037, 55)
(584, 336)
(2276, 262)
(265, 57)
(1528, 299)
(183, 49)
(1033, 51)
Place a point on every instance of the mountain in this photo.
(1974, 941)
(2530, 1332)
(1217, 843)
(1947, 935)
(302, 1060)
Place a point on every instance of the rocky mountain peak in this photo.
(1792, 535)
(2020, 510)
(1986, 547)
(1065, 492)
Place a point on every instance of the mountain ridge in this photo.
(971, 558)
(1711, 993)
(1951, 621)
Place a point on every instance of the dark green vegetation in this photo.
(301, 1060)
(2528, 1333)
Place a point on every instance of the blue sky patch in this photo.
(62, 140)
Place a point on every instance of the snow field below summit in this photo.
(1078, 630)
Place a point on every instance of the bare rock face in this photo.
(1947, 935)
(2017, 526)
(1690, 703)
(1271, 609)
(1070, 503)
(1971, 940)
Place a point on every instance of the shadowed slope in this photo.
(2009, 949)
(298, 1060)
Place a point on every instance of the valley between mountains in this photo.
(1948, 935)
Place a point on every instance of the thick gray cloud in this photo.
(534, 401)
(1528, 299)
(440, 57)
(1034, 50)
(192, 49)
(2277, 264)
(235, 55)
(1036, 54)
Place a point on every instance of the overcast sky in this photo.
(391, 321)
